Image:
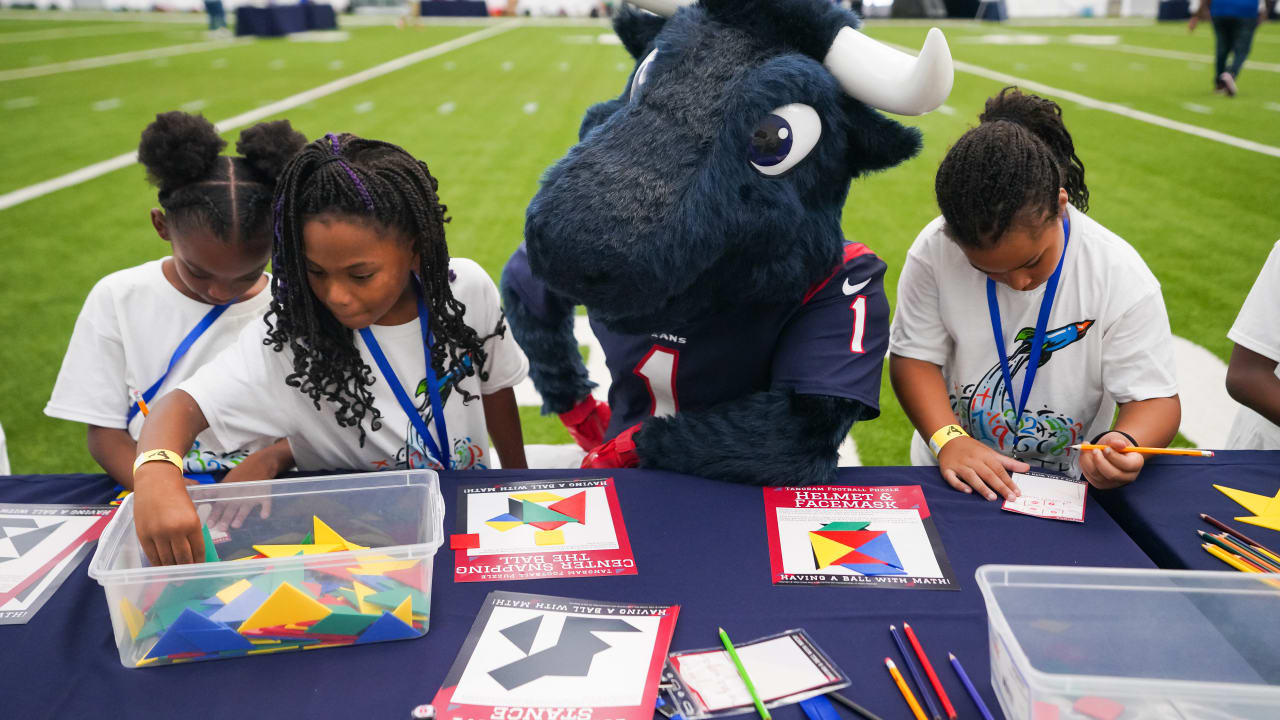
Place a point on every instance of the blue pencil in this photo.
(915, 674)
(968, 685)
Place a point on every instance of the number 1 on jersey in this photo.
(859, 308)
(658, 368)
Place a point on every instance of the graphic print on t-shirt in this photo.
(988, 411)
(414, 455)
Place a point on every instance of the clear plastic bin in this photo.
(375, 585)
(1133, 644)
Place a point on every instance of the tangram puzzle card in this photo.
(1049, 495)
(552, 657)
(540, 529)
(855, 537)
(785, 668)
(39, 547)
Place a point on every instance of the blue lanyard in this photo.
(1037, 340)
(214, 313)
(437, 408)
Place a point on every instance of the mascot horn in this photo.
(698, 220)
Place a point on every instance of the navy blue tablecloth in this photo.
(1161, 510)
(697, 543)
(453, 8)
(320, 16)
(272, 21)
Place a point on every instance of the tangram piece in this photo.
(391, 598)
(132, 617)
(286, 605)
(546, 526)
(239, 609)
(312, 589)
(326, 534)
(334, 601)
(168, 613)
(271, 579)
(574, 506)
(362, 599)
(534, 513)
(549, 537)
(217, 640)
(523, 633)
(378, 568)
(540, 496)
(308, 539)
(1271, 523)
(232, 591)
(387, 627)
(276, 551)
(1098, 708)
(838, 526)
(210, 555)
(411, 576)
(1254, 503)
(501, 525)
(869, 552)
(349, 595)
(404, 611)
(472, 540)
(1044, 711)
(175, 640)
(344, 621)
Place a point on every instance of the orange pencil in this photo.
(906, 691)
(1147, 450)
(142, 404)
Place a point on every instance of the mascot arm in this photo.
(542, 323)
(775, 437)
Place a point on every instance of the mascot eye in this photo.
(642, 73)
(783, 138)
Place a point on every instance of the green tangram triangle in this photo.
(845, 526)
(536, 513)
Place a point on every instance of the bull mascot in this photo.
(698, 221)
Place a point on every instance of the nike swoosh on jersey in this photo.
(851, 289)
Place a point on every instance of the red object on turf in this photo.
(587, 421)
(619, 452)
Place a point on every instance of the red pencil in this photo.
(928, 670)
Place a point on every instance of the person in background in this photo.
(1234, 23)
(1253, 376)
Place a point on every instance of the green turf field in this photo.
(490, 115)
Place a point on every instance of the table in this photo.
(697, 543)
(1161, 510)
(453, 8)
(277, 20)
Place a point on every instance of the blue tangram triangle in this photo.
(881, 548)
(387, 627)
(876, 569)
(241, 607)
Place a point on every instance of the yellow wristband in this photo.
(165, 455)
(945, 435)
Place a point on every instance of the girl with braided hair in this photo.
(145, 329)
(378, 351)
(1022, 322)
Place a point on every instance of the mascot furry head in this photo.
(698, 220)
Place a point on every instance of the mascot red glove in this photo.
(619, 452)
(587, 421)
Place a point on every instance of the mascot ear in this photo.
(597, 114)
(637, 29)
(875, 141)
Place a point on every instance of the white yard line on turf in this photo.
(1115, 108)
(104, 16)
(1179, 55)
(117, 59)
(84, 174)
(60, 33)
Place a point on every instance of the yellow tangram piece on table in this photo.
(132, 617)
(540, 496)
(232, 591)
(548, 537)
(287, 605)
(404, 610)
(826, 550)
(380, 567)
(323, 534)
(503, 525)
(1269, 522)
(278, 551)
(1253, 502)
(366, 607)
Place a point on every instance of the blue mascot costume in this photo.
(698, 220)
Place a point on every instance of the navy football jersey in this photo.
(832, 343)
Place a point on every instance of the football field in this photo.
(1190, 178)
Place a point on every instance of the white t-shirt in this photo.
(125, 335)
(1257, 329)
(1107, 341)
(243, 394)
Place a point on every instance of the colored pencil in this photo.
(1248, 552)
(968, 686)
(1229, 559)
(928, 670)
(853, 706)
(142, 404)
(906, 691)
(1148, 450)
(1240, 536)
(742, 672)
(1219, 541)
(915, 673)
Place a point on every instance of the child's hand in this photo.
(1106, 469)
(967, 465)
(164, 516)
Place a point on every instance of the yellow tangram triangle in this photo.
(1271, 523)
(325, 535)
(404, 610)
(287, 605)
(363, 591)
(827, 551)
(1254, 503)
(277, 551)
(132, 617)
(537, 497)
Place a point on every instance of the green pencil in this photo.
(742, 672)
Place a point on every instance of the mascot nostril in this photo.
(698, 221)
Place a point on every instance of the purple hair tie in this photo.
(337, 152)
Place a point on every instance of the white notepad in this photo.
(1049, 495)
